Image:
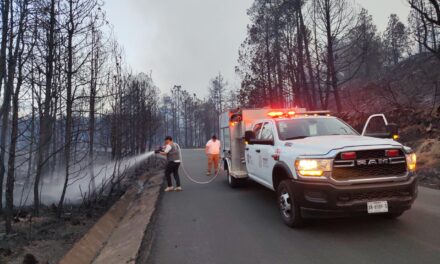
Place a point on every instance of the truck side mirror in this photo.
(249, 135)
(393, 130)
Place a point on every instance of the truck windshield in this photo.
(312, 127)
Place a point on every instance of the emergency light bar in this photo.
(276, 114)
(291, 113)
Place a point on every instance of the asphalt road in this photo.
(216, 224)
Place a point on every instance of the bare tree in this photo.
(45, 118)
(15, 57)
(427, 12)
(395, 40)
(5, 6)
(336, 17)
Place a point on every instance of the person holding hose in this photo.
(172, 153)
(212, 151)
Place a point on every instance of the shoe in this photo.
(216, 173)
(169, 189)
(179, 189)
(208, 173)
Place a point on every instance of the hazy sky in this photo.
(187, 42)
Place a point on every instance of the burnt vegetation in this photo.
(328, 54)
(69, 104)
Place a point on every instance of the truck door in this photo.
(376, 126)
(252, 153)
(267, 151)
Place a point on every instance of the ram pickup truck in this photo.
(317, 164)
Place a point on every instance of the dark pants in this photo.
(172, 167)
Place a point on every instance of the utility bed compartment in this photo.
(233, 125)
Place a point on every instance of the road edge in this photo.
(149, 234)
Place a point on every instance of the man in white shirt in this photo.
(213, 153)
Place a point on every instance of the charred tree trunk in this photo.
(303, 80)
(45, 118)
(308, 60)
(16, 56)
(331, 57)
(7, 94)
(3, 47)
(69, 104)
(92, 110)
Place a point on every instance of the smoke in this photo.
(79, 180)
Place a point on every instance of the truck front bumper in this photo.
(326, 199)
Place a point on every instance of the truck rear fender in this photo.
(280, 172)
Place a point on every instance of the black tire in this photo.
(289, 208)
(393, 215)
(232, 181)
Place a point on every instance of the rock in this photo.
(429, 128)
(427, 147)
(29, 259)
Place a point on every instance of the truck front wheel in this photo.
(289, 209)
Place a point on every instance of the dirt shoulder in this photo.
(47, 238)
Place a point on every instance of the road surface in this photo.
(216, 224)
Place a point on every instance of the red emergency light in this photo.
(392, 153)
(348, 155)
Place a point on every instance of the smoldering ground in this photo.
(104, 172)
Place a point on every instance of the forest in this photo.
(329, 54)
(70, 101)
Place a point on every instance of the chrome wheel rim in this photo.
(285, 204)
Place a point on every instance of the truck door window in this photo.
(376, 125)
(257, 129)
(266, 133)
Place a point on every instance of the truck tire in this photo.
(232, 181)
(393, 215)
(289, 208)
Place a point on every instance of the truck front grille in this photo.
(344, 170)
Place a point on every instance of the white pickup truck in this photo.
(318, 164)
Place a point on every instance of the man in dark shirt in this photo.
(172, 153)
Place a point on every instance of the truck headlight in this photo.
(411, 160)
(313, 167)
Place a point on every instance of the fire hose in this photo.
(185, 172)
(187, 175)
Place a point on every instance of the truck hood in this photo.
(322, 145)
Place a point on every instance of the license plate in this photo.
(377, 207)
